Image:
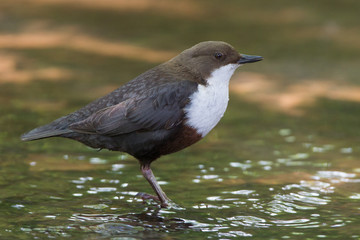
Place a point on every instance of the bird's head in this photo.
(206, 57)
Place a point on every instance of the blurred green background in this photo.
(283, 162)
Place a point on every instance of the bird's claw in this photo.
(146, 196)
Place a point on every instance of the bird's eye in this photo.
(218, 55)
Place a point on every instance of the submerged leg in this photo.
(148, 174)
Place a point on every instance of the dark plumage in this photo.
(146, 116)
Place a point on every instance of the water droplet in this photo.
(214, 198)
(18, 206)
(210, 176)
(335, 174)
(284, 132)
(321, 236)
(318, 149)
(241, 192)
(346, 150)
(234, 234)
(243, 166)
(162, 182)
(131, 193)
(122, 157)
(115, 181)
(82, 180)
(265, 163)
(96, 206)
(96, 160)
(267, 168)
(24, 229)
(299, 156)
(290, 139)
(205, 206)
(355, 196)
(103, 189)
(117, 167)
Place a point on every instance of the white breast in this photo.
(208, 103)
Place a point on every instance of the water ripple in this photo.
(248, 221)
(303, 197)
(297, 223)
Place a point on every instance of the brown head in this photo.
(205, 57)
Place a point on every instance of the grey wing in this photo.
(157, 108)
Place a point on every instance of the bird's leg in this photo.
(148, 174)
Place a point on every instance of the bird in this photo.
(159, 112)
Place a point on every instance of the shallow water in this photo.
(270, 183)
(262, 173)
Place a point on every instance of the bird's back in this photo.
(153, 83)
(61, 125)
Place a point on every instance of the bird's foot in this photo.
(146, 196)
(166, 204)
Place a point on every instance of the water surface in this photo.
(267, 171)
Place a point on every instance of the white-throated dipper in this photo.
(162, 111)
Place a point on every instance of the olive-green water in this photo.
(269, 170)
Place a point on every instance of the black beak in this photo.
(249, 59)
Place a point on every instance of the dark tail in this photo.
(53, 129)
(39, 133)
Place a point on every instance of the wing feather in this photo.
(158, 108)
